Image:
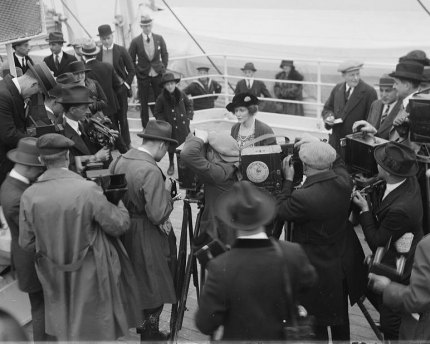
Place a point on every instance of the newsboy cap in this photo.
(385, 81)
(318, 155)
(349, 65)
(49, 144)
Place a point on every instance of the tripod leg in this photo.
(369, 319)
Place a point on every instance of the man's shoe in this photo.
(171, 170)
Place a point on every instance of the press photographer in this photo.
(320, 209)
(396, 223)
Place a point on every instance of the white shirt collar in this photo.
(88, 60)
(260, 235)
(405, 101)
(14, 174)
(109, 47)
(392, 187)
(144, 36)
(142, 149)
(15, 81)
(74, 124)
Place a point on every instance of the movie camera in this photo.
(99, 132)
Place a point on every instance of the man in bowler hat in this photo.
(244, 290)
(25, 171)
(148, 52)
(58, 60)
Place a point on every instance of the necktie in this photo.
(347, 94)
(57, 62)
(385, 114)
(248, 83)
(23, 62)
(147, 39)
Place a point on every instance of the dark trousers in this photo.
(120, 118)
(38, 317)
(144, 86)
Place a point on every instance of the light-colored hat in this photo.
(226, 146)
(318, 155)
(349, 65)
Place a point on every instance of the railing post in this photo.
(226, 88)
(318, 107)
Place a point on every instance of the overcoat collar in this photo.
(319, 177)
(252, 243)
(394, 195)
(18, 101)
(388, 122)
(71, 134)
(356, 96)
(135, 154)
(58, 173)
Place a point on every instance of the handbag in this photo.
(297, 325)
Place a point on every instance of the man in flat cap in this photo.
(58, 60)
(13, 110)
(152, 57)
(21, 49)
(25, 171)
(120, 59)
(202, 86)
(73, 229)
(320, 211)
(349, 102)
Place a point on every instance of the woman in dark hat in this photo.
(245, 107)
(289, 91)
(174, 107)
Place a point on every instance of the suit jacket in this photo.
(104, 73)
(320, 211)
(22, 261)
(414, 298)
(355, 109)
(65, 61)
(12, 122)
(258, 88)
(244, 290)
(374, 117)
(400, 212)
(18, 62)
(122, 63)
(141, 60)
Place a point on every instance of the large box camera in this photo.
(114, 185)
(419, 120)
(186, 177)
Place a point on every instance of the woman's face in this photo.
(287, 69)
(80, 76)
(170, 86)
(242, 114)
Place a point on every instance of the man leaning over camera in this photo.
(213, 157)
(320, 209)
(398, 216)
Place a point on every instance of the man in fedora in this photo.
(320, 210)
(72, 227)
(349, 102)
(75, 101)
(58, 60)
(152, 57)
(214, 157)
(202, 86)
(382, 111)
(21, 49)
(250, 85)
(396, 222)
(120, 59)
(13, 109)
(244, 290)
(150, 242)
(25, 171)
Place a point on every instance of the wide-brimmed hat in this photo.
(245, 206)
(26, 153)
(397, 159)
(89, 48)
(77, 67)
(249, 66)
(225, 145)
(55, 37)
(145, 20)
(203, 68)
(409, 70)
(43, 75)
(286, 63)
(385, 81)
(242, 99)
(104, 30)
(52, 143)
(350, 65)
(167, 77)
(22, 41)
(158, 130)
(63, 81)
(76, 94)
(318, 155)
(416, 56)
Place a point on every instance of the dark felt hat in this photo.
(77, 67)
(286, 63)
(416, 56)
(63, 81)
(49, 144)
(43, 75)
(245, 206)
(145, 20)
(249, 66)
(167, 77)
(158, 130)
(426, 74)
(203, 68)
(22, 41)
(104, 30)
(25, 153)
(76, 94)
(409, 70)
(397, 159)
(55, 37)
(385, 81)
(242, 99)
(89, 48)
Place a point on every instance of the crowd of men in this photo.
(94, 267)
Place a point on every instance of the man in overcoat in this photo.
(120, 59)
(396, 222)
(349, 102)
(149, 240)
(73, 229)
(26, 170)
(148, 52)
(320, 210)
(245, 290)
(59, 59)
